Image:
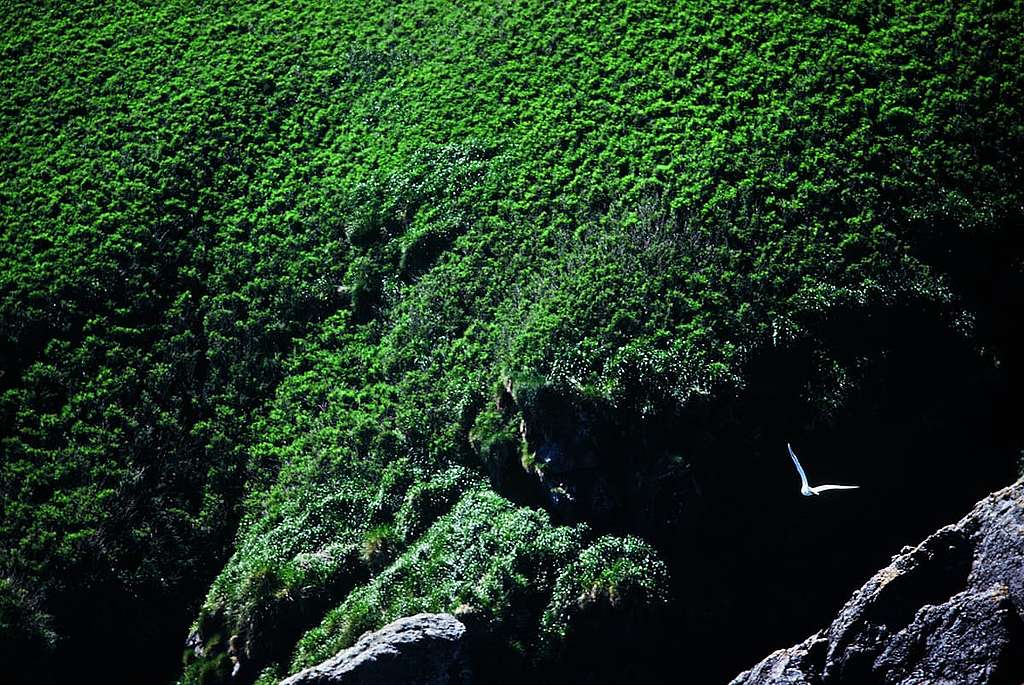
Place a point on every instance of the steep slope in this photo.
(449, 305)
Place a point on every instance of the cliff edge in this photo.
(950, 610)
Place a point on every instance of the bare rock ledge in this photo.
(425, 649)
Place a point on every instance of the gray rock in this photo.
(425, 649)
(950, 610)
(792, 666)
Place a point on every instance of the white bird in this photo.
(805, 489)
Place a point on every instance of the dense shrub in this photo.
(261, 268)
(623, 574)
(502, 565)
(427, 501)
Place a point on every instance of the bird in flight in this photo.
(805, 489)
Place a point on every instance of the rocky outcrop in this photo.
(950, 610)
(425, 649)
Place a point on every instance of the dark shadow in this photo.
(925, 429)
(925, 433)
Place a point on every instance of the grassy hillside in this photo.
(331, 312)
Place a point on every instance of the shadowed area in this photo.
(925, 428)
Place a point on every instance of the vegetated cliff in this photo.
(502, 306)
(950, 610)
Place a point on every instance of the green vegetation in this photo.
(614, 572)
(486, 556)
(266, 270)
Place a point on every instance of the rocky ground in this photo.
(947, 611)
(425, 649)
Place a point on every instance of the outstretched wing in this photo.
(823, 488)
(799, 469)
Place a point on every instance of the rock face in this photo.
(950, 610)
(425, 649)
